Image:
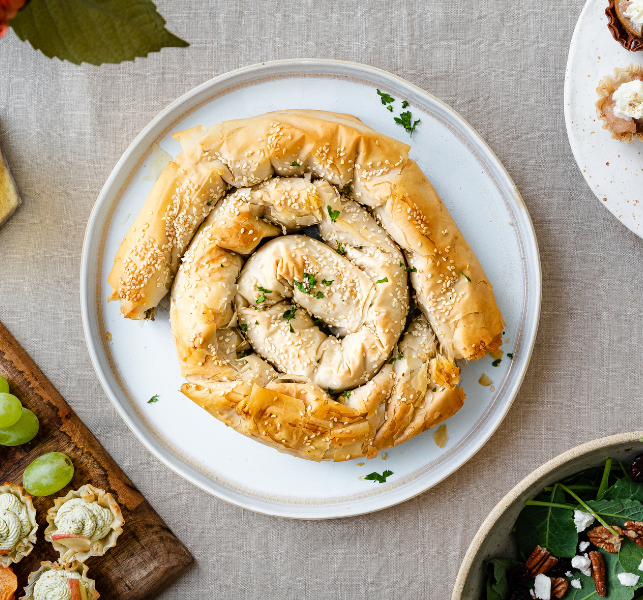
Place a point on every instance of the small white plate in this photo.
(612, 169)
(139, 360)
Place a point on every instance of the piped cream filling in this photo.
(628, 100)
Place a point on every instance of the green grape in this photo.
(4, 385)
(21, 432)
(10, 410)
(48, 474)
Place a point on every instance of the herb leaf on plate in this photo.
(497, 585)
(549, 527)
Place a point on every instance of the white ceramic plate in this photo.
(612, 169)
(140, 361)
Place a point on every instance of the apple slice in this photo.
(77, 543)
(74, 589)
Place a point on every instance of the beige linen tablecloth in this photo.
(499, 63)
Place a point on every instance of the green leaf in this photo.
(552, 528)
(615, 591)
(386, 98)
(290, 313)
(616, 512)
(630, 557)
(497, 587)
(625, 488)
(377, 477)
(333, 214)
(154, 398)
(94, 31)
(405, 119)
(383, 280)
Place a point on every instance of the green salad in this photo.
(580, 538)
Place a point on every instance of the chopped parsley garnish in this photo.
(411, 270)
(154, 398)
(405, 120)
(404, 104)
(263, 297)
(389, 108)
(510, 355)
(468, 278)
(209, 202)
(331, 392)
(306, 286)
(291, 329)
(222, 265)
(392, 360)
(435, 388)
(401, 264)
(294, 163)
(319, 295)
(326, 282)
(290, 313)
(244, 327)
(333, 214)
(245, 353)
(346, 394)
(317, 321)
(385, 98)
(384, 280)
(340, 248)
(496, 363)
(346, 190)
(379, 478)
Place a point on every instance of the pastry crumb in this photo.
(360, 464)
(440, 436)
(108, 336)
(484, 380)
(384, 456)
(493, 389)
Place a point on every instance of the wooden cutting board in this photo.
(147, 556)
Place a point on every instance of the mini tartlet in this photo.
(17, 524)
(86, 522)
(54, 578)
(612, 106)
(625, 21)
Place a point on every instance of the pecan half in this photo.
(634, 531)
(559, 587)
(598, 573)
(602, 537)
(539, 562)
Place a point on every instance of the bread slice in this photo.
(9, 198)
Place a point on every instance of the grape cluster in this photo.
(18, 425)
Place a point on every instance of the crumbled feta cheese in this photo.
(628, 579)
(583, 546)
(576, 583)
(542, 587)
(641, 566)
(582, 520)
(582, 563)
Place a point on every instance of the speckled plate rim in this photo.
(574, 49)
(521, 488)
(388, 495)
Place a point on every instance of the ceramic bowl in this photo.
(493, 539)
